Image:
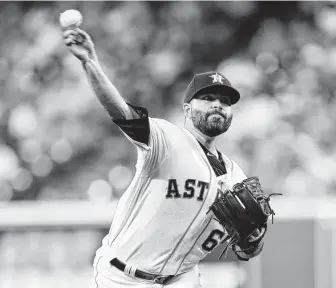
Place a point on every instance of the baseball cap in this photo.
(210, 82)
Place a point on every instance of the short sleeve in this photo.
(147, 134)
(137, 130)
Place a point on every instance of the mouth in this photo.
(217, 114)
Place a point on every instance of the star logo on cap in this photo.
(216, 78)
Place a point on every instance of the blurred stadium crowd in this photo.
(57, 142)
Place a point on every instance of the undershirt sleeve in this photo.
(137, 129)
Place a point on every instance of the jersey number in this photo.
(213, 240)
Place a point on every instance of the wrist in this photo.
(88, 61)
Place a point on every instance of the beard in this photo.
(212, 123)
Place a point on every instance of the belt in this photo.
(159, 279)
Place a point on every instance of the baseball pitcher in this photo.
(186, 197)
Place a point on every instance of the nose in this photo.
(217, 104)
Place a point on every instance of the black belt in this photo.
(159, 279)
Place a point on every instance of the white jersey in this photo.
(161, 223)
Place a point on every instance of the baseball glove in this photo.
(243, 212)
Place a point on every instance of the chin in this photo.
(214, 132)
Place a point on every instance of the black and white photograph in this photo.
(168, 144)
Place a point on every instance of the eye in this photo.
(225, 101)
(207, 98)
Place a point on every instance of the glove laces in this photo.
(267, 199)
(226, 248)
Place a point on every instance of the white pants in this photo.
(108, 276)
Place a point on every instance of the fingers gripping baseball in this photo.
(69, 37)
(77, 40)
(77, 36)
(79, 43)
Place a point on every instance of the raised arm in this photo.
(81, 46)
(145, 133)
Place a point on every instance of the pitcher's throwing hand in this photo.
(80, 44)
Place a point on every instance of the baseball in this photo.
(70, 18)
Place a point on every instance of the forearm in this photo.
(106, 92)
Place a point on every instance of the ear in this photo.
(187, 109)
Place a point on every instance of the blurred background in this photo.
(64, 164)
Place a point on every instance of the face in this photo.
(211, 113)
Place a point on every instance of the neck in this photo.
(206, 141)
